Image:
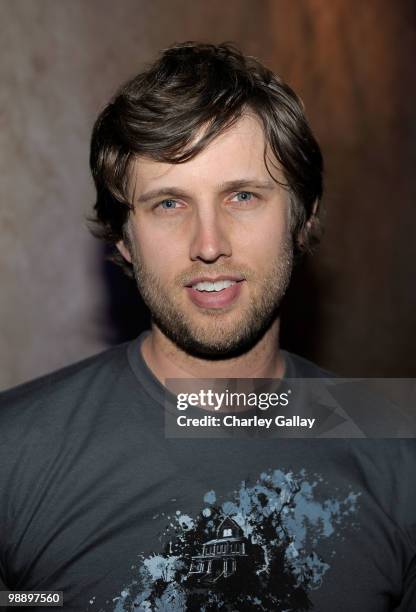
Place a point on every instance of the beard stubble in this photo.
(216, 333)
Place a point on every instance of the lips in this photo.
(214, 293)
(213, 279)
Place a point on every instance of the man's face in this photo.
(210, 243)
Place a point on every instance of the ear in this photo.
(311, 226)
(312, 219)
(122, 247)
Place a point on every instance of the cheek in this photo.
(267, 241)
(160, 254)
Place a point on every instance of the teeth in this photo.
(217, 286)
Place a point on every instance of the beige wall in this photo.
(352, 64)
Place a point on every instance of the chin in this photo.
(205, 343)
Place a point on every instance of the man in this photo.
(208, 184)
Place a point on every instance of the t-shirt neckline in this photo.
(154, 387)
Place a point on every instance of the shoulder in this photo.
(68, 382)
(300, 367)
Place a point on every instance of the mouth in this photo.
(215, 293)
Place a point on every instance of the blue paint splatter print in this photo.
(255, 552)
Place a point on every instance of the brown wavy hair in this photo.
(195, 89)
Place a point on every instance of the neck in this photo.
(166, 360)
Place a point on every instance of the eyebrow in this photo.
(222, 188)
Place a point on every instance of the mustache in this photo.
(212, 270)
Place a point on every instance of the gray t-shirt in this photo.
(97, 502)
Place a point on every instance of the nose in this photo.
(210, 237)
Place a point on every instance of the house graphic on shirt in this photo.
(220, 557)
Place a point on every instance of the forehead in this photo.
(237, 153)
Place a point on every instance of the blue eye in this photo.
(168, 204)
(244, 196)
